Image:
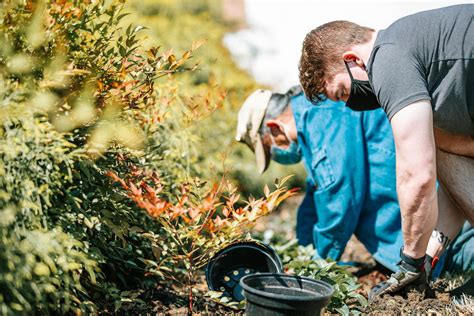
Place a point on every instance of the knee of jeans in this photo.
(460, 256)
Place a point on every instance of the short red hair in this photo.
(321, 55)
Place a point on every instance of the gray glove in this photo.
(411, 274)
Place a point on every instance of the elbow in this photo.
(425, 182)
(420, 181)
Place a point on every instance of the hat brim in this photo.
(261, 155)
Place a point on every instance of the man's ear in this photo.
(351, 56)
(274, 126)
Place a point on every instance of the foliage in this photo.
(82, 94)
(196, 226)
(186, 21)
(300, 260)
(80, 97)
(35, 265)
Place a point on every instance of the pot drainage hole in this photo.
(230, 282)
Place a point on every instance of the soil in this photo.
(415, 304)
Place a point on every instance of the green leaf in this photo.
(121, 16)
(122, 50)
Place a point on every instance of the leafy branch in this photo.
(198, 228)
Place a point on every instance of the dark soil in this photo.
(413, 304)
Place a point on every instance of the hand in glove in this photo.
(411, 274)
(430, 265)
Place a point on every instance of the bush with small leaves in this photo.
(79, 96)
(300, 260)
(199, 223)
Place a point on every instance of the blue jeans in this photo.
(459, 256)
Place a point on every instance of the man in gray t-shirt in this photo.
(428, 56)
(420, 70)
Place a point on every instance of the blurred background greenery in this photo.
(177, 24)
(82, 93)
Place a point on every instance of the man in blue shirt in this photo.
(351, 184)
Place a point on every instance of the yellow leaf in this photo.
(197, 44)
(41, 269)
(186, 55)
(266, 190)
(20, 63)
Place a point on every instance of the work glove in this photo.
(430, 265)
(411, 274)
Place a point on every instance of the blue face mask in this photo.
(285, 156)
(288, 156)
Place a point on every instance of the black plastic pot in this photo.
(229, 265)
(281, 294)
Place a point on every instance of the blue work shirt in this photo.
(351, 186)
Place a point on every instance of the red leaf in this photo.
(193, 213)
(134, 190)
(225, 212)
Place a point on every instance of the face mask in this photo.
(362, 97)
(288, 156)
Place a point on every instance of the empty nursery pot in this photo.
(281, 294)
(229, 265)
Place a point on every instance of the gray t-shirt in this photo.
(428, 56)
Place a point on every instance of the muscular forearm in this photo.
(412, 129)
(418, 205)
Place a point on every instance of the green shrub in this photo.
(178, 23)
(82, 94)
(79, 97)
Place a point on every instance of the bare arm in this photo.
(416, 175)
(462, 145)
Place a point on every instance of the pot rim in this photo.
(284, 297)
(266, 250)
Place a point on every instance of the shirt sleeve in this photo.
(339, 170)
(398, 79)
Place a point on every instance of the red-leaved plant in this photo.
(197, 226)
